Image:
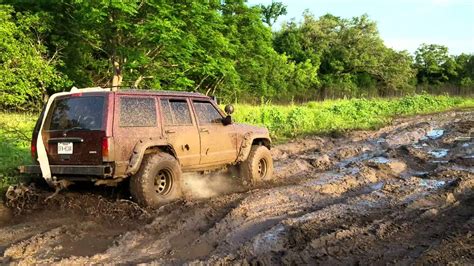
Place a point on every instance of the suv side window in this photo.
(137, 112)
(176, 112)
(207, 113)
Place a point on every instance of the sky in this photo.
(403, 24)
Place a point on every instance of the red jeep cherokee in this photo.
(148, 136)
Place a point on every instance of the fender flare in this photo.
(142, 147)
(247, 143)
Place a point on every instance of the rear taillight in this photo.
(33, 150)
(105, 148)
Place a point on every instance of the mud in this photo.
(403, 194)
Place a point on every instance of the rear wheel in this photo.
(258, 166)
(158, 181)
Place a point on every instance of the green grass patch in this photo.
(15, 137)
(341, 115)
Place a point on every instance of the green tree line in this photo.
(221, 47)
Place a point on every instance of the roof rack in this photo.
(91, 89)
(161, 92)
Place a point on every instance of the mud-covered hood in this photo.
(253, 129)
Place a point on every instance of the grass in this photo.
(283, 122)
(290, 121)
(15, 136)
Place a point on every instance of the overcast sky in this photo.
(403, 24)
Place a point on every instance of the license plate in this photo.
(64, 147)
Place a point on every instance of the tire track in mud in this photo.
(378, 196)
(359, 230)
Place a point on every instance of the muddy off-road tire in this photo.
(158, 181)
(258, 166)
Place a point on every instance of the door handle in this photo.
(204, 130)
(170, 131)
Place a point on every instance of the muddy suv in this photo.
(146, 137)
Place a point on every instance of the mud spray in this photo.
(200, 186)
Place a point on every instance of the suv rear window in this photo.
(76, 113)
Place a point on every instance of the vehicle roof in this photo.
(140, 92)
(166, 93)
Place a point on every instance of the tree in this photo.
(292, 41)
(27, 70)
(272, 12)
(434, 65)
(154, 44)
(255, 60)
(350, 55)
(220, 47)
(465, 71)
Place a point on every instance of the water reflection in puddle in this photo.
(380, 159)
(377, 186)
(430, 183)
(439, 153)
(435, 133)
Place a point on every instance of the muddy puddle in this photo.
(401, 195)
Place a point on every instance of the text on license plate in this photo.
(64, 147)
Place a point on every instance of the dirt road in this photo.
(402, 194)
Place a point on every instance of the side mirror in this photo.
(229, 109)
(227, 120)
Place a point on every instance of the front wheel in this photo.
(158, 181)
(258, 166)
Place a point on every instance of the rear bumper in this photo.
(81, 170)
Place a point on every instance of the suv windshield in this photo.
(76, 113)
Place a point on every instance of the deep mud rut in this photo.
(402, 194)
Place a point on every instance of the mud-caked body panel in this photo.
(248, 136)
(146, 146)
